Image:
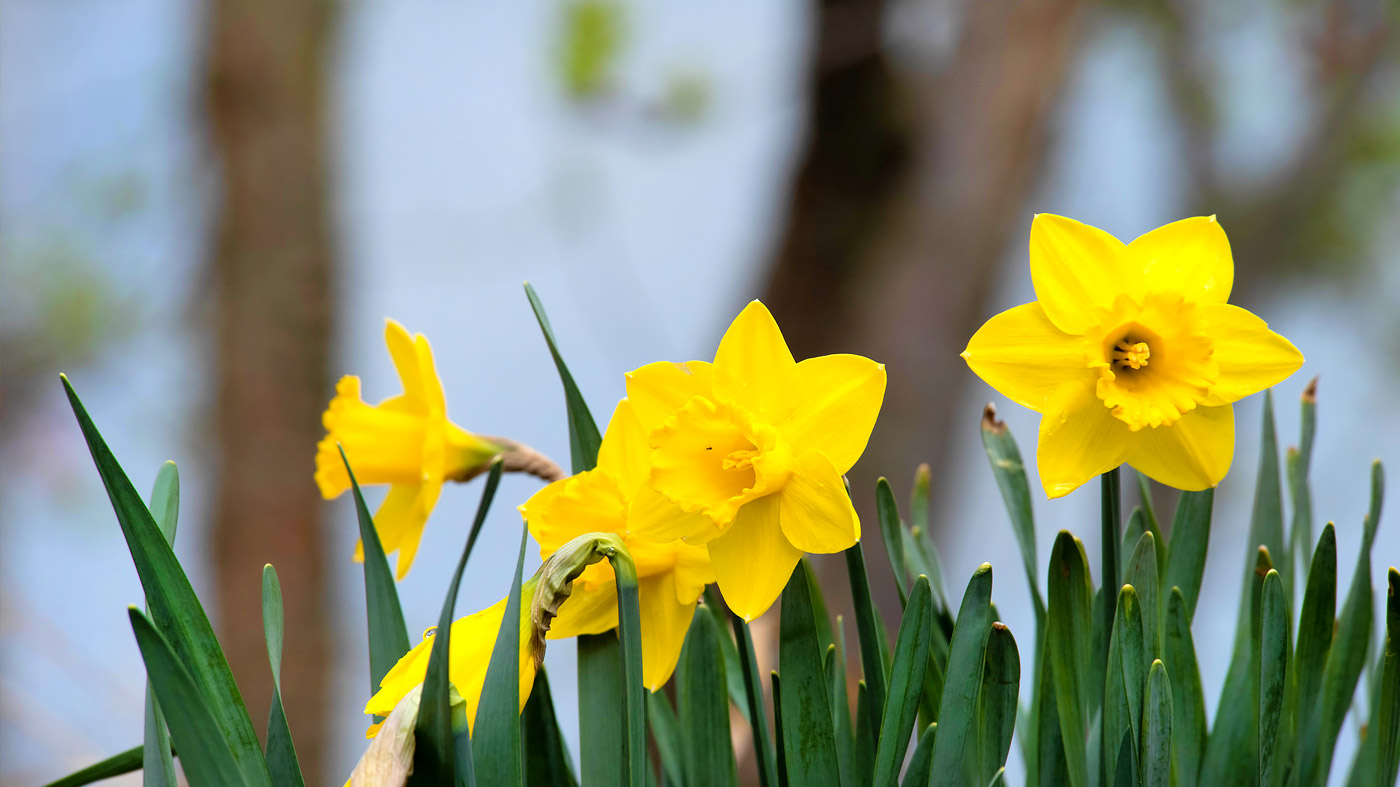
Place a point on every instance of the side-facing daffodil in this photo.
(1131, 353)
(407, 442)
(472, 640)
(671, 576)
(748, 454)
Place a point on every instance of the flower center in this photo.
(1154, 357)
(1131, 356)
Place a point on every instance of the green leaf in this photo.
(1266, 522)
(1151, 523)
(834, 666)
(602, 714)
(1001, 685)
(778, 727)
(704, 711)
(1346, 657)
(1142, 575)
(158, 766)
(1125, 770)
(906, 682)
(758, 723)
(1274, 641)
(1186, 561)
(1315, 624)
(1232, 753)
(863, 750)
(825, 634)
(629, 636)
(1132, 533)
(733, 670)
(174, 608)
(1387, 701)
(966, 655)
(917, 774)
(1188, 701)
(1126, 677)
(281, 753)
(1051, 765)
(1010, 473)
(871, 633)
(892, 533)
(116, 765)
(1069, 629)
(666, 732)
(999, 780)
(205, 754)
(388, 634)
(584, 437)
(496, 752)
(808, 739)
(1297, 464)
(547, 761)
(435, 754)
(1157, 729)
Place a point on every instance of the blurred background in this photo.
(208, 209)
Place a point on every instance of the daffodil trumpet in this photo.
(408, 443)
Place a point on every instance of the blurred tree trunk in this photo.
(902, 209)
(272, 272)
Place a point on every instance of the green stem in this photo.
(1112, 519)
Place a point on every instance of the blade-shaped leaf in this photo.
(496, 751)
(584, 437)
(1142, 575)
(116, 765)
(917, 774)
(1186, 562)
(1315, 629)
(1188, 701)
(704, 711)
(1298, 463)
(1157, 729)
(602, 715)
(966, 656)
(281, 753)
(174, 608)
(666, 732)
(1010, 473)
(1001, 683)
(1388, 690)
(1150, 522)
(157, 765)
(871, 633)
(892, 533)
(388, 634)
(1232, 753)
(906, 680)
(435, 754)
(778, 727)
(1274, 641)
(547, 761)
(1068, 632)
(758, 724)
(808, 739)
(205, 754)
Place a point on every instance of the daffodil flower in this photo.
(473, 639)
(1131, 353)
(671, 576)
(748, 455)
(405, 441)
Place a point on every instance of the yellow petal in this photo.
(589, 502)
(625, 452)
(664, 623)
(693, 572)
(1079, 439)
(1192, 454)
(1025, 357)
(841, 397)
(1251, 357)
(405, 356)
(659, 389)
(654, 517)
(427, 371)
(816, 512)
(399, 521)
(1076, 268)
(753, 559)
(753, 366)
(590, 609)
(1190, 257)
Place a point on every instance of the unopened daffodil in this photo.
(472, 640)
(671, 576)
(1131, 353)
(748, 454)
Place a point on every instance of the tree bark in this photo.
(272, 275)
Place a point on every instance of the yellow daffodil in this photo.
(405, 441)
(748, 455)
(1131, 353)
(473, 638)
(671, 576)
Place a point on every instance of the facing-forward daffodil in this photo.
(472, 640)
(671, 576)
(405, 441)
(748, 454)
(1131, 353)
